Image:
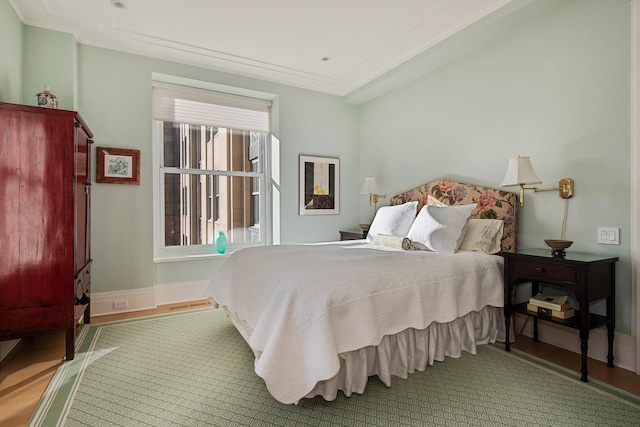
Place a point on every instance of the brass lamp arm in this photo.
(565, 188)
(374, 197)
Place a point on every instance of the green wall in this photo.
(49, 60)
(557, 90)
(11, 54)
(114, 98)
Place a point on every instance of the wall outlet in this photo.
(609, 235)
(121, 304)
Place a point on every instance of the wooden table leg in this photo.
(610, 339)
(507, 328)
(584, 347)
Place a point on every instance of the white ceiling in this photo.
(282, 41)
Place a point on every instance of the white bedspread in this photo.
(307, 304)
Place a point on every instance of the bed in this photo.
(323, 318)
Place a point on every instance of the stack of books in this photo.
(556, 306)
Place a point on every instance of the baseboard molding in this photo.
(171, 293)
(104, 303)
(569, 339)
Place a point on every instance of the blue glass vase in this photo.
(221, 243)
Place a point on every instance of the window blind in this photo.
(183, 104)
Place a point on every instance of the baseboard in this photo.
(569, 339)
(105, 303)
(171, 293)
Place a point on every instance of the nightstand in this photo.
(588, 277)
(353, 235)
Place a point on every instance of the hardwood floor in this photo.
(25, 374)
(617, 377)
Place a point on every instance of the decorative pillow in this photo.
(394, 242)
(483, 235)
(393, 220)
(441, 229)
(388, 241)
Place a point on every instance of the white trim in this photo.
(569, 339)
(158, 196)
(138, 299)
(171, 293)
(102, 303)
(635, 179)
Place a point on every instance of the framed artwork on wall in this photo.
(117, 165)
(319, 185)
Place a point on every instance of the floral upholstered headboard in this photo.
(491, 203)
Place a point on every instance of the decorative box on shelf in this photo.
(552, 303)
(554, 306)
(565, 313)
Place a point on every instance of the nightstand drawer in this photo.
(543, 270)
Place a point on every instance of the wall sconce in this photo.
(565, 188)
(371, 189)
(520, 172)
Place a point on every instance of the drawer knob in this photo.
(539, 269)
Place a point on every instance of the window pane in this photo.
(209, 148)
(197, 207)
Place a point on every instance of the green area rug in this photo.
(193, 368)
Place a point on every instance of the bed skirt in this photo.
(406, 352)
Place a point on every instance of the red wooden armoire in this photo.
(45, 250)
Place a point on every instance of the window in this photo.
(209, 152)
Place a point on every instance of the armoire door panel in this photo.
(44, 227)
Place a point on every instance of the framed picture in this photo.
(319, 185)
(117, 165)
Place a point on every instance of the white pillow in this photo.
(483, 235)
(441, 229)
(393, 220)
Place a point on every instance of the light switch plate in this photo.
(609, 235)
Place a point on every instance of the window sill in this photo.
(193, 257)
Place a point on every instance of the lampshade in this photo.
(369, 186)
(520, 172)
